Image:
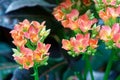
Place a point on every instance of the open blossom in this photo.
(93, 43)
(109, 13)
(58, 13)
(81, 43)
(106, 33)
(73, 15)
(18, 37)
(41, 51)
(78, 44)
(85, 23)
(71, 20)
(32, 34)
(67, 45)
(22, 26)
(73, 25)
(24, 57)
(116, 37)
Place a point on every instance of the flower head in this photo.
(93, 43)
(109, 13)
(106, 33)
(85, 23)
(29, 38)
(41, 51)
(24, 57)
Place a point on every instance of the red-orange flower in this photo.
(41, 51)
(93, 43)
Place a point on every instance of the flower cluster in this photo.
(80, 44)
(85, 26)
(81, 24)
(29, 37)
(110, 31)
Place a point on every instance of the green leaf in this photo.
(118, 78)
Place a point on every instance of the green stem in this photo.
(36, 76)
(79, 75)
(109, 65)
(86, 70)
(88, 67)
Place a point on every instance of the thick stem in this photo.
(109, 65)
(36, 77)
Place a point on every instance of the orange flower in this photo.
(81, 43)
(93, 43)
(73, 15)
(22, 26)
(58, 14)
(24, 57)
(109, 13)
(18, 37)
(66, 44)
(32, 34)
(85, 23)
(71, 20)
(73, 25)
(41, 51)
(37, 25)
(106, 33)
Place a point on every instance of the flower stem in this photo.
(36, 73)
(109, 65)
(88, 66)
(85, 72)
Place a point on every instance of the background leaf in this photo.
(27, 3)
